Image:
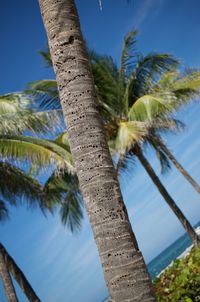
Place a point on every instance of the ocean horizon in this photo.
(160, 262)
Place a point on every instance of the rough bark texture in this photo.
(180, 167)
(123, 264)
(19, 276)
(7, 281)
(186, 224)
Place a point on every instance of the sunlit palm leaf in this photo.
(62, 138)
(129, 133)
(189, 80)
(16, 99)
(184, 86)
(39, 151)
(35, 122)
(148, 107)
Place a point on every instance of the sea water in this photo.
(169, 254)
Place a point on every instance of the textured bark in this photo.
(19, 276)
(180, 167)
(124, 268)
(7, 281)
(169, 200)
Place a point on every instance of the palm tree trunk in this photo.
(186, 224)
(180, 167)
(19, 276)
(7, 281)
(124, 268)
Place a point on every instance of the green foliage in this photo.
(65, 189)
(19, 113)
(17, 188)
(181, 281)
(45, 94)
(40, 152)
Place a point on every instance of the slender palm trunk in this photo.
(7, 281)
(124, 268)
(19, 276)
(180, 167)
(186, 224)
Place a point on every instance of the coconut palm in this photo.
(133, 101)
(19, 115)
(129, 113)
(10, 266)
(183, 87)
(7, 281)
(115, 239)
(17, 187)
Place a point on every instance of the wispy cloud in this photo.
(146, 9)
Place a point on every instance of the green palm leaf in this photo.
(17, 187)
(40, 152)
(16, 100)
(35, 122)
(128, 56)
(47, 57)
(148, 107)
(65, 188)
(109, 88)
(129, 133)
(147, 72)
(45, 93)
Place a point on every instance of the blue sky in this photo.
(62, 267)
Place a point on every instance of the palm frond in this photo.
(164, 161)
(3, 211)
(128, 56)
(18, 188)
(18, 100)
(165, 124)
(147, 72)
(44, 93)
(47, 57)
(71, 211)
(35, 122)
(63, 138)
(39, 151)
(65, 188)
(148, 107)
(129, 133)
(109, 89)
(189, 80)
(153, 140)
(184, 86)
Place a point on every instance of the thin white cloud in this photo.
(147, 8)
